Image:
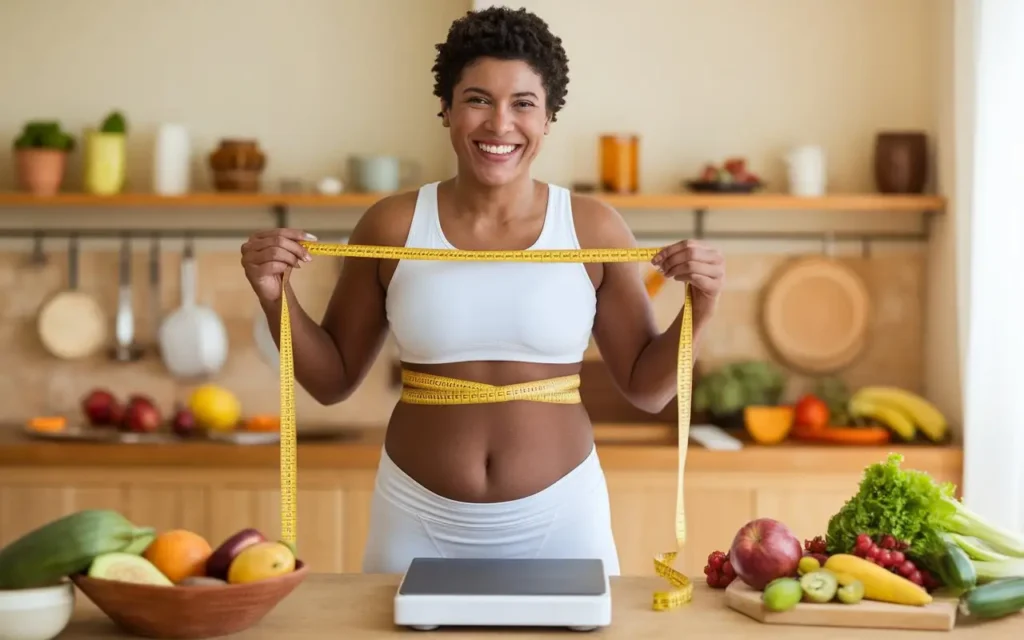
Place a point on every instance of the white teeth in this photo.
(497, 149)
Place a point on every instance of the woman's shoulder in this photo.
(387, 221)
(598, 224)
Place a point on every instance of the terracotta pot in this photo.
(901, 162)
(237, 165)
(40, 171)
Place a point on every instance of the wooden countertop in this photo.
(360, 607)
(650, 447)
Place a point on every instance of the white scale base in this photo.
(437, 592)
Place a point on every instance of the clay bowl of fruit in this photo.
(181, 588)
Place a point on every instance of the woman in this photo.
(509, 479)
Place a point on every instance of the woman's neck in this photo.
(508, 201)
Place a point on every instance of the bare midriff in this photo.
(490, 452)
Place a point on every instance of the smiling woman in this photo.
(513, 479)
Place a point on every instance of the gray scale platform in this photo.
(570, 593)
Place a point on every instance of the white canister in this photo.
(807, 171)
(172, 160)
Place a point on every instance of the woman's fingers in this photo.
(274, 247)
(685, 268)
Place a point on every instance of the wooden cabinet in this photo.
(723, 491)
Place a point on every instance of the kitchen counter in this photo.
(360, 606)
(649, 447)
(217, 489)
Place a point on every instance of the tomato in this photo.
(811, 411)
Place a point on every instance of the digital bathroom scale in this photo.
(438, 592)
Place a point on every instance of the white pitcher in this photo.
(807, 171)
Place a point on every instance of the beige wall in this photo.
(318, 80)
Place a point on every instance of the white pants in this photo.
(569, 519)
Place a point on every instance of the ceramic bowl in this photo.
(36, 614)
(188, 612)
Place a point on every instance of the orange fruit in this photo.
(179, 554)
(263, 423)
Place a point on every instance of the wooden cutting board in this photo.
(815, 314)
(940, 615)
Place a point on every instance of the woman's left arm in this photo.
(641, 359)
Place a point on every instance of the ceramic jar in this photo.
(901, 161)
(237, 165)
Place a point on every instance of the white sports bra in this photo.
(464, 311)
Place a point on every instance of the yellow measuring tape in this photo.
(421, 388)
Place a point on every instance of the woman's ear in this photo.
(445, 121)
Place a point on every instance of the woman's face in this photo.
(498, 119)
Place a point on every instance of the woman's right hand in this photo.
(266, 255)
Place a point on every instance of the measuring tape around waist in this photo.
(422, 388)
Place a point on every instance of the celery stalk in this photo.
(989, 571)
(975, 548)
(960, 519)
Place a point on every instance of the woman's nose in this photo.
(501, 120)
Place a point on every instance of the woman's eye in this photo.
(524, 104)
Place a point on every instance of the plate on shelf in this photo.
(702, 186)
(244, 437)
(159, 437)
(72, 433)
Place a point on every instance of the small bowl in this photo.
(41, 613)
(193, 612)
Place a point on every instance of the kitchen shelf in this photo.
(667, 201)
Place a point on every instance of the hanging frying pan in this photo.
(72, 324)
(815, 315)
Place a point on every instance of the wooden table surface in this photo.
(360, 606)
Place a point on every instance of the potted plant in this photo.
(106, 156)
(40, 156)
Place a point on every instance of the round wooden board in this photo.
(815, 315)
(72, 325)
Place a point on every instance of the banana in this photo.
(925, 415)
(889, 415)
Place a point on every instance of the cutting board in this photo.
(940, 615)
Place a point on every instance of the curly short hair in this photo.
(506, 34)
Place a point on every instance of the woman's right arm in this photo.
(331, 357)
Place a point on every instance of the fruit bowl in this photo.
(205, 611)
(714, 186)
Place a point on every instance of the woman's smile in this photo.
(498, 152)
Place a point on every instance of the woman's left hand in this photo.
(699, 265)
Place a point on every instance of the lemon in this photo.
(215, 408)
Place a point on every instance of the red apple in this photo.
(141, 416)
(763, 550)
(183, 422)
(101, 408)
(140, 397)
(220, 560)
(735, 166)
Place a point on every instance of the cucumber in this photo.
(65, 546)
(957, 569)
(994, 600)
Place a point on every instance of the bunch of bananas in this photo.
(900, 410)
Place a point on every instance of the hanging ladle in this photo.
(126, 350)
